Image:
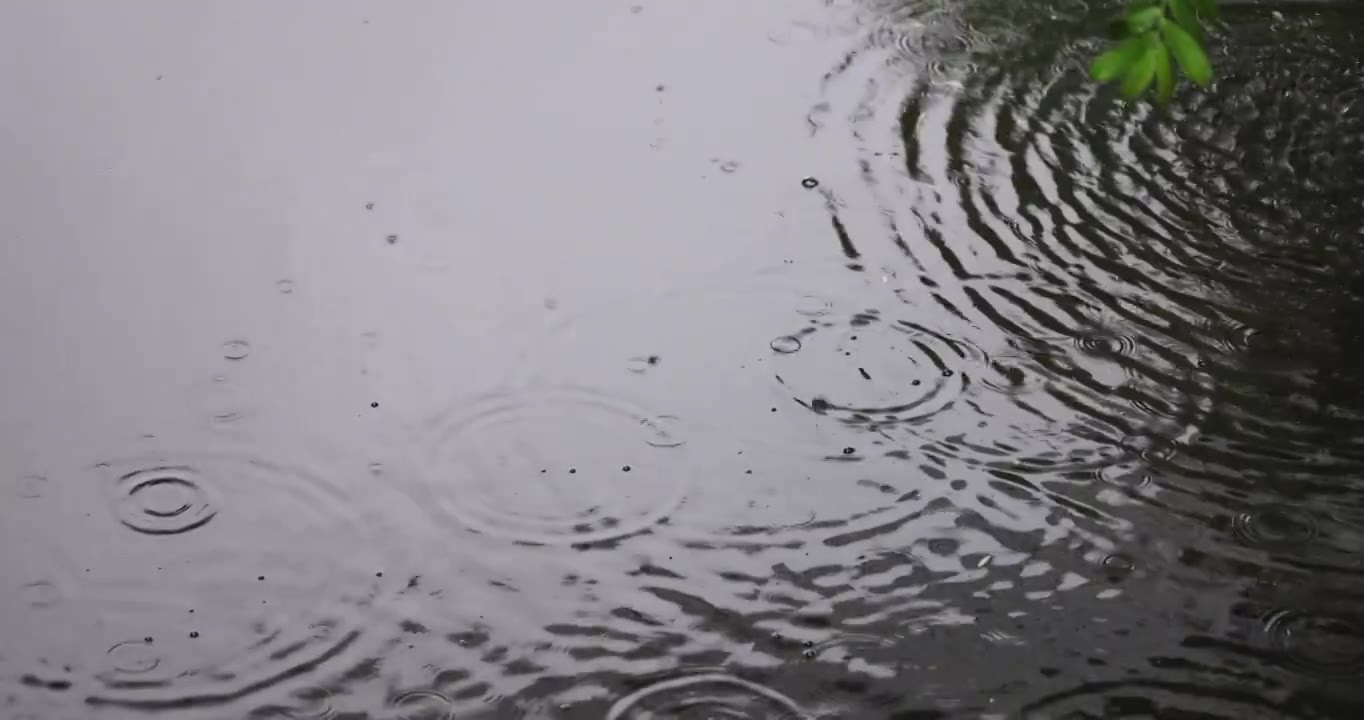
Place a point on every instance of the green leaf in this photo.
(1141, 73)
(1207, 8)
(1187, 17)
(1192, 60)
(1110, 65)
(1141, 19)
(1165, 76)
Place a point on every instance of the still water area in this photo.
(644, 359)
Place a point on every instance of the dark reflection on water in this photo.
(1014, 401)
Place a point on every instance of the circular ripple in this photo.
(290, 578)
(422, 705)
(786, 344)
(166, 500)
(1317, 645)
(134, 657)
(1104, 344)
(872, 370)
(236, 349)
(705, 695)
(548, 466)
(1276, 527)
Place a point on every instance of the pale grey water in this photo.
(674, 359)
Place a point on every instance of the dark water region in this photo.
(654, 359)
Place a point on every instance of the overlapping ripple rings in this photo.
(227, 561)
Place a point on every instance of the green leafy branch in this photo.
(1157, 32)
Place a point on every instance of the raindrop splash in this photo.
(236, 349)
(163, 501)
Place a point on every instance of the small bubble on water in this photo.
(392, 239)
(947, 373)
(786, 344)
(729, 166)
(572, 471)
(236, 349)
(916, 383)
(625, 468)
(1118, 566)
(369, 206)
(374, 404)
(809, 183)
(194, 633)
(849, 451)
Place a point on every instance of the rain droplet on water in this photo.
(236, 349)
(809, 183)
(786, 344)
(162, 501)
(286, 287)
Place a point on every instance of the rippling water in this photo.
(851, 359)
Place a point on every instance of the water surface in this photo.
(627, 359)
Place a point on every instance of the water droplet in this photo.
(849, 451)
(369, 206)
(664, 431)
(162, 501)
(392, 239)
(286, 287)
(786, 344)
(641, 364)
(30, 487)
(809, 183)
(236, 349)
(133, 657)
(729, 166)
(1118, 566)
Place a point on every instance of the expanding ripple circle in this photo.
(706, 695)
(555, 466)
